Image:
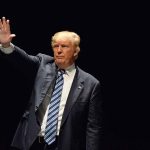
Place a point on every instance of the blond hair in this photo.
(72, 36)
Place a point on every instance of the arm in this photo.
(95, 133)
(26, 63)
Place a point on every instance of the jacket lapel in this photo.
(47, 79)
(77, 86)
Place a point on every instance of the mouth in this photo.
(59, 57)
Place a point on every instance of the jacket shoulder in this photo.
(87, 76)
(45, 58)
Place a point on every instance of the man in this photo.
(65, 107)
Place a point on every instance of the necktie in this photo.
(52, 118)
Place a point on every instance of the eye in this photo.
(64, 46)
(55, 46)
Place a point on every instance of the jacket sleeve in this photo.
(28, 64)
(94, 135)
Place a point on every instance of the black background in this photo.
(108, 39)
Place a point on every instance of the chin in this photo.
(59, 63)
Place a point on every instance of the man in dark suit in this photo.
(79, 119)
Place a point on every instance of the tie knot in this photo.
(61, 72)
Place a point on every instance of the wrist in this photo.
(8, 49)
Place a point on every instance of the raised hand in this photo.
(5, 33)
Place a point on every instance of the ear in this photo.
(77, 51)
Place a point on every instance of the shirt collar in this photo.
(69, 69)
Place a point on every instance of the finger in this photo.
(7, 26)
(4, 23)
(0, 24)
(12, 35)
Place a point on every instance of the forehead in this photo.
(63, 41)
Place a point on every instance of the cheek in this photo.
(55, 52)
(69, 55)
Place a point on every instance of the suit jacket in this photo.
(82, 121)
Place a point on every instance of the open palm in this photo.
(5, 33)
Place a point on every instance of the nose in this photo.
(59, 48)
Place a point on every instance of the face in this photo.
(64, 53)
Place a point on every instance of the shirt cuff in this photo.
(7, 50)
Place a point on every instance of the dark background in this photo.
(107, 40)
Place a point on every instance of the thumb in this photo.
(12, 35)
